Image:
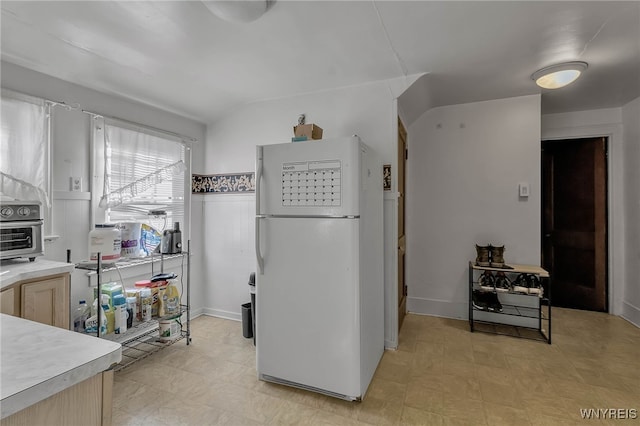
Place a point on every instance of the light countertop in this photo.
(38, 361)
(14, 270)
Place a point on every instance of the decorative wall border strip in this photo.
(386, 177)
(232, 183)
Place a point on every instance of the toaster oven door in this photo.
(21, 239)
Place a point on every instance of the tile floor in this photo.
(441, 374)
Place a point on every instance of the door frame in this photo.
(391, 326)
(548, 201)
(402, 241)
(615, 237)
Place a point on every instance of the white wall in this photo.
(368, 110)
(602, 122)
(631, 122)
(70, 157)
(464, 166)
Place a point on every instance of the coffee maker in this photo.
(171, 242)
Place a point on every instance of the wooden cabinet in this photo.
(53, 376)
(44, 300)
(87, 403)
(8, 302)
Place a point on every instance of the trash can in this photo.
(247, 326)
(252, 290)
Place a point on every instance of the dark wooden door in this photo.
(402, 158)
(574, 221)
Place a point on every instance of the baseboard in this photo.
(388, 344)
(195, 313)
(222, 314)
(438, 308)
(631, 313)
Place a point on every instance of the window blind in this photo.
(143, 173)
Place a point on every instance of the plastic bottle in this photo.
(131, 309)
(91, 325)
(120, 313)
(146, 302)
(109, 314)
(104, 327)
(94, 307)
(169, 300)
(83, 312)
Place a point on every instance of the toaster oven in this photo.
(21, 230)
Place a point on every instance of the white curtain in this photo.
(24, 164)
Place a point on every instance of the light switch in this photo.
(523, 189)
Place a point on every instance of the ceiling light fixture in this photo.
(238, 11)
(560, 75)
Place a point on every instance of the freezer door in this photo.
(319, 178)
(308, 314)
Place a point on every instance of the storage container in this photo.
(311, 131)
(105, 239)
(130, 234)
(145, 304)
(169, 330)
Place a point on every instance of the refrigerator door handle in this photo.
(259, 257)
(258, 176)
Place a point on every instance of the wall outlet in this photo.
(75, 184)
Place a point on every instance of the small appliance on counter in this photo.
(21, 230)
(171, 240)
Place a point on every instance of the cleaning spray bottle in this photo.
(91, 325)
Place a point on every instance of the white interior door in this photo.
(308, 316)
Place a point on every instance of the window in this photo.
(140, 172)
(24, 151)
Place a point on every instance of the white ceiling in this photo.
(179, 56)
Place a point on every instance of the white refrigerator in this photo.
(319, 249)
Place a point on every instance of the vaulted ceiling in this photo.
(179, 56)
